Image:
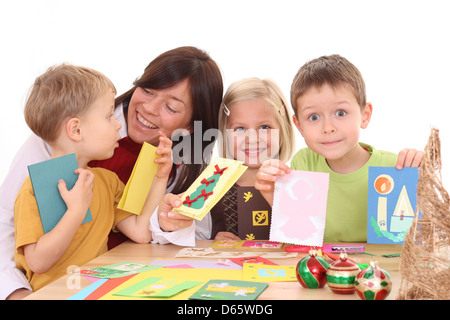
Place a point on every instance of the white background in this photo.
(401, 48)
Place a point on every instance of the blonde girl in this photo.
(255, 125)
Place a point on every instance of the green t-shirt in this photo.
(347, 195)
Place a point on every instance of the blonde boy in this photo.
(328, 97)
(72, 109)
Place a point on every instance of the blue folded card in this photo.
(44, 178)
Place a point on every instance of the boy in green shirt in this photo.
(328, 97)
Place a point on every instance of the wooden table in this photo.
(146, 253)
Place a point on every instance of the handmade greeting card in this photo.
(229, 290)
(44, 179)
(299, 208)
(254, 214)
(157, 287)
(269, 273)
(210, 187)
(255, 259)
(247, 244)
(117, 270)
(391, 203)
(140, 181)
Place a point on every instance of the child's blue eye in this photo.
(313, 117)
(341, 113)
(264, 127)
(239, 129)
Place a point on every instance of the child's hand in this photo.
(172, 221)
(225, 235)
(409, 158)
(165, 161)
(79, 198)
(267, 175)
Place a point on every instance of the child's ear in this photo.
(297, 124)
(366, 115)
(73, 129)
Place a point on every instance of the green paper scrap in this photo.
(157, 287)
(44, 179)
(118, 270)
(229, 290)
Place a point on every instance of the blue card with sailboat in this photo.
(391, 203)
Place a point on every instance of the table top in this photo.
(146, 253)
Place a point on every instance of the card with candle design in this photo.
(391, 203)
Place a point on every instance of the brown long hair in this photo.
(206, 90)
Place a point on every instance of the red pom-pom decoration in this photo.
(373, 283)
(341, 275)
(311, 271)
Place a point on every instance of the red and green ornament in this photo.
(373, 283)
(311, 271)
(341, 275)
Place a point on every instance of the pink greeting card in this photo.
(299, 208)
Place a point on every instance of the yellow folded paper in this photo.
(140, 181)
(210, 187)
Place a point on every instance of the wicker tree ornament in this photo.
(425, 258)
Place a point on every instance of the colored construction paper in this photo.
(140, 181)
(254, 214)
(229, 290)
(268, 273)
(391, 203)
(212, 184)
(299, 208)
(81, 295)
(107, 286)
(157, 287)
(44, 179)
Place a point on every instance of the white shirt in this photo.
(34, 150)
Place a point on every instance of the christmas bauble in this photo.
(311, 271)
(373, 283)
(341, 275)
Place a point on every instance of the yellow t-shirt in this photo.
(89, 241)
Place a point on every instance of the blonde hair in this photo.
(62, 92)
(255, 88)
(334, 70)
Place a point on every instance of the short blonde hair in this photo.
(62, 92)
(255, 88)
(334, 70)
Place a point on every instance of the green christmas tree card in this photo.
(210, 187)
